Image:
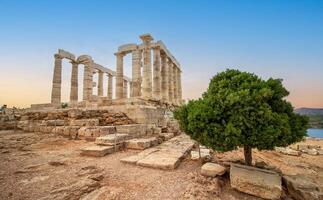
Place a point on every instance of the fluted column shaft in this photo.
(100, 84)
(125, 89)
(74, 82)
(87, 81)
(119, 76)
(157, 73)
(110, 86)
(175, 92)
(164, 77)
(179, 87)
(136, 73)
(57, 80)
(170, 81)
(146, 82)
(131, 88)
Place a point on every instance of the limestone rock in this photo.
(142, 143)
(258, 182)
(300, 187)
(205, 153)
(166, 136)
(111, 139)
(287, 151)
(212, 169)
(310, 151)
(98, 151)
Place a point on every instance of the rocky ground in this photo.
(47, 166)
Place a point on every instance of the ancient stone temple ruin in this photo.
(156, 79)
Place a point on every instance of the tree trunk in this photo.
(247, 155)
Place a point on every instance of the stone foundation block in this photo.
(84, 122)
(258, 182)
(142, 143)
(111, 139)
(98, 150)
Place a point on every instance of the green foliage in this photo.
(241, 110)
(64, 105)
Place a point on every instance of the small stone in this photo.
(212, 169)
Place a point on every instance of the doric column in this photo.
(170, 81)
(57, 80)
(125, 89)
(100, 84)
(110, 86)
(131, 88)
(175, 92)
(179, 87)
(87, 81)
(157, 74)
(119, 76)
(136, 73)
(146, 82)
(164, 77)
(74, 82)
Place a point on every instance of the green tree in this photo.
(241, 110)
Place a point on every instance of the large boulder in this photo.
(212, 169)
(258, 182)
(300, 187)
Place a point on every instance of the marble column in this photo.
(100, 84)
(175, 92)
(131, 88)
(87, 81)
(170, 81)
(179, 87)
(164, 77)
(57, 80)
(125, 89)
(147, 75)
(136, 73)
(156, 73)
(74, 82)
(119, 76)
(110, 86)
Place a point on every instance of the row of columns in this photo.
(162, 81)
(88, 83)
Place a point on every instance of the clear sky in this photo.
(274, 38)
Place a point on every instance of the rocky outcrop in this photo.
(258, 182)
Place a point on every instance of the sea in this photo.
(315, 133)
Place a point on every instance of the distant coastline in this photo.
(315, 116)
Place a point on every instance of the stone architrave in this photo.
(74, 82)
(119, 75)
(136, 73)
(156, 73)
(100, 83)
(57, 80)
(110, 86)
(147, 75)
(125, 89)
(170, 81)
(164, 77)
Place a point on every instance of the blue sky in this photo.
(281, 39)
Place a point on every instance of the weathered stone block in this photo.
(258, 182)
(166, 136)
(287, 151)
(132, 129)
(142, 143)
(300, 187)
(97, 150)
(111, 139)
(212, 169)
(84, 122)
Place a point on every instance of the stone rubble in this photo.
(212, 169)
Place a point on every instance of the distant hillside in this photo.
(309, 111)
(315, 115)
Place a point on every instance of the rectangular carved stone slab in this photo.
(258, 182)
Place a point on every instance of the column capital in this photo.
(120, 54)
(146, 38)
(57, 56)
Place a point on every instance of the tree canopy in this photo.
(239, 109)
